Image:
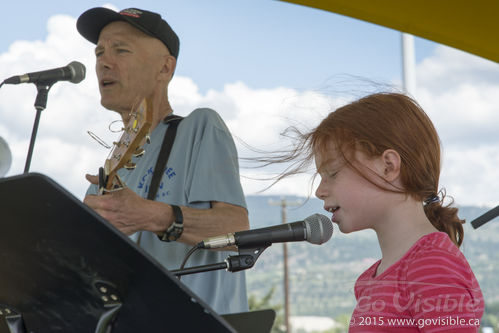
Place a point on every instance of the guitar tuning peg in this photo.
(130, 165)
(139, 152)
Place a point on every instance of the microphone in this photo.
(74, 72)
(315, 229)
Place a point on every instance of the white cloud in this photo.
(257, 117)
(467, 115)
(63, 149)
(470, 174)
(111, 6)
(458, 91)
(449, 68)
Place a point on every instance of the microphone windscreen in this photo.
(319, 228)
(78, 71)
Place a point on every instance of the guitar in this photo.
(135, 133)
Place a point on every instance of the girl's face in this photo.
(355, 202)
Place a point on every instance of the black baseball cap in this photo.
(91, 22)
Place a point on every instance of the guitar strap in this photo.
(164, 153)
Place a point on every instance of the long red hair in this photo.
(384, 121)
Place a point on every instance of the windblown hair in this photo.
(384, 121)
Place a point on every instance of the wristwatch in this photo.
(175, 230)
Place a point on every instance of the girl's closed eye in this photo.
(332, 174)
(328, 173)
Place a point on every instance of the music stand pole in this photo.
(40, 105)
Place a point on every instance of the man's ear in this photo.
(168, 68)
(390, 160)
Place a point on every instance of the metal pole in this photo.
(286, 276)
(284, 204)
(40, 105)
(32, 141)
(408, 64)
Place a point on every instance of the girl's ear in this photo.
(390, 160)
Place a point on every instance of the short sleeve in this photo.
(92, 190)
(443, 294)
(215, 167)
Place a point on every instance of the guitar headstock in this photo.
(133, 137)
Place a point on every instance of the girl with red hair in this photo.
(379, 163)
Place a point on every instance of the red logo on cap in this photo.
(131, 12)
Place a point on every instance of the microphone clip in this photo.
(246, 259)
(42, 96)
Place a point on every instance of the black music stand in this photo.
(259, 321)
(65, 269)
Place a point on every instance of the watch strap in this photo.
(175, 230)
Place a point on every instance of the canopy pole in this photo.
(408, 64)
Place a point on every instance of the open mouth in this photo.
(333, 209)
(107, 83)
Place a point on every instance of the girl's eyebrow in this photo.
(329, 163)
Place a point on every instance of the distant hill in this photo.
(322, 277)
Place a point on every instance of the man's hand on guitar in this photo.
(123, 208)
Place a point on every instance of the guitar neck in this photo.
(134, 136)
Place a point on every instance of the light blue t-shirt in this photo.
(202, 167)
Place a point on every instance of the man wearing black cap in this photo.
(199, 190)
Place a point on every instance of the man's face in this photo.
(128, 63)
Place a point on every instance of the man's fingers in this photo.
(115, 208)
(92, 201)
(92, 179)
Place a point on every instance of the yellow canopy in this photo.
(469, 25)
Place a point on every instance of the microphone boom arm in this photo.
(246, 259)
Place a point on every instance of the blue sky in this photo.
(263, 43)
(263, 65)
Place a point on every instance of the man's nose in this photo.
(104, 60)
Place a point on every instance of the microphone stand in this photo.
(40, 105)
(486, 217)
(246, 259)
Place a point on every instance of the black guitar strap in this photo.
(166, 148)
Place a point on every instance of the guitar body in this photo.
(135, 134)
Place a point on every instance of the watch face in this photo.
(173, 232)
